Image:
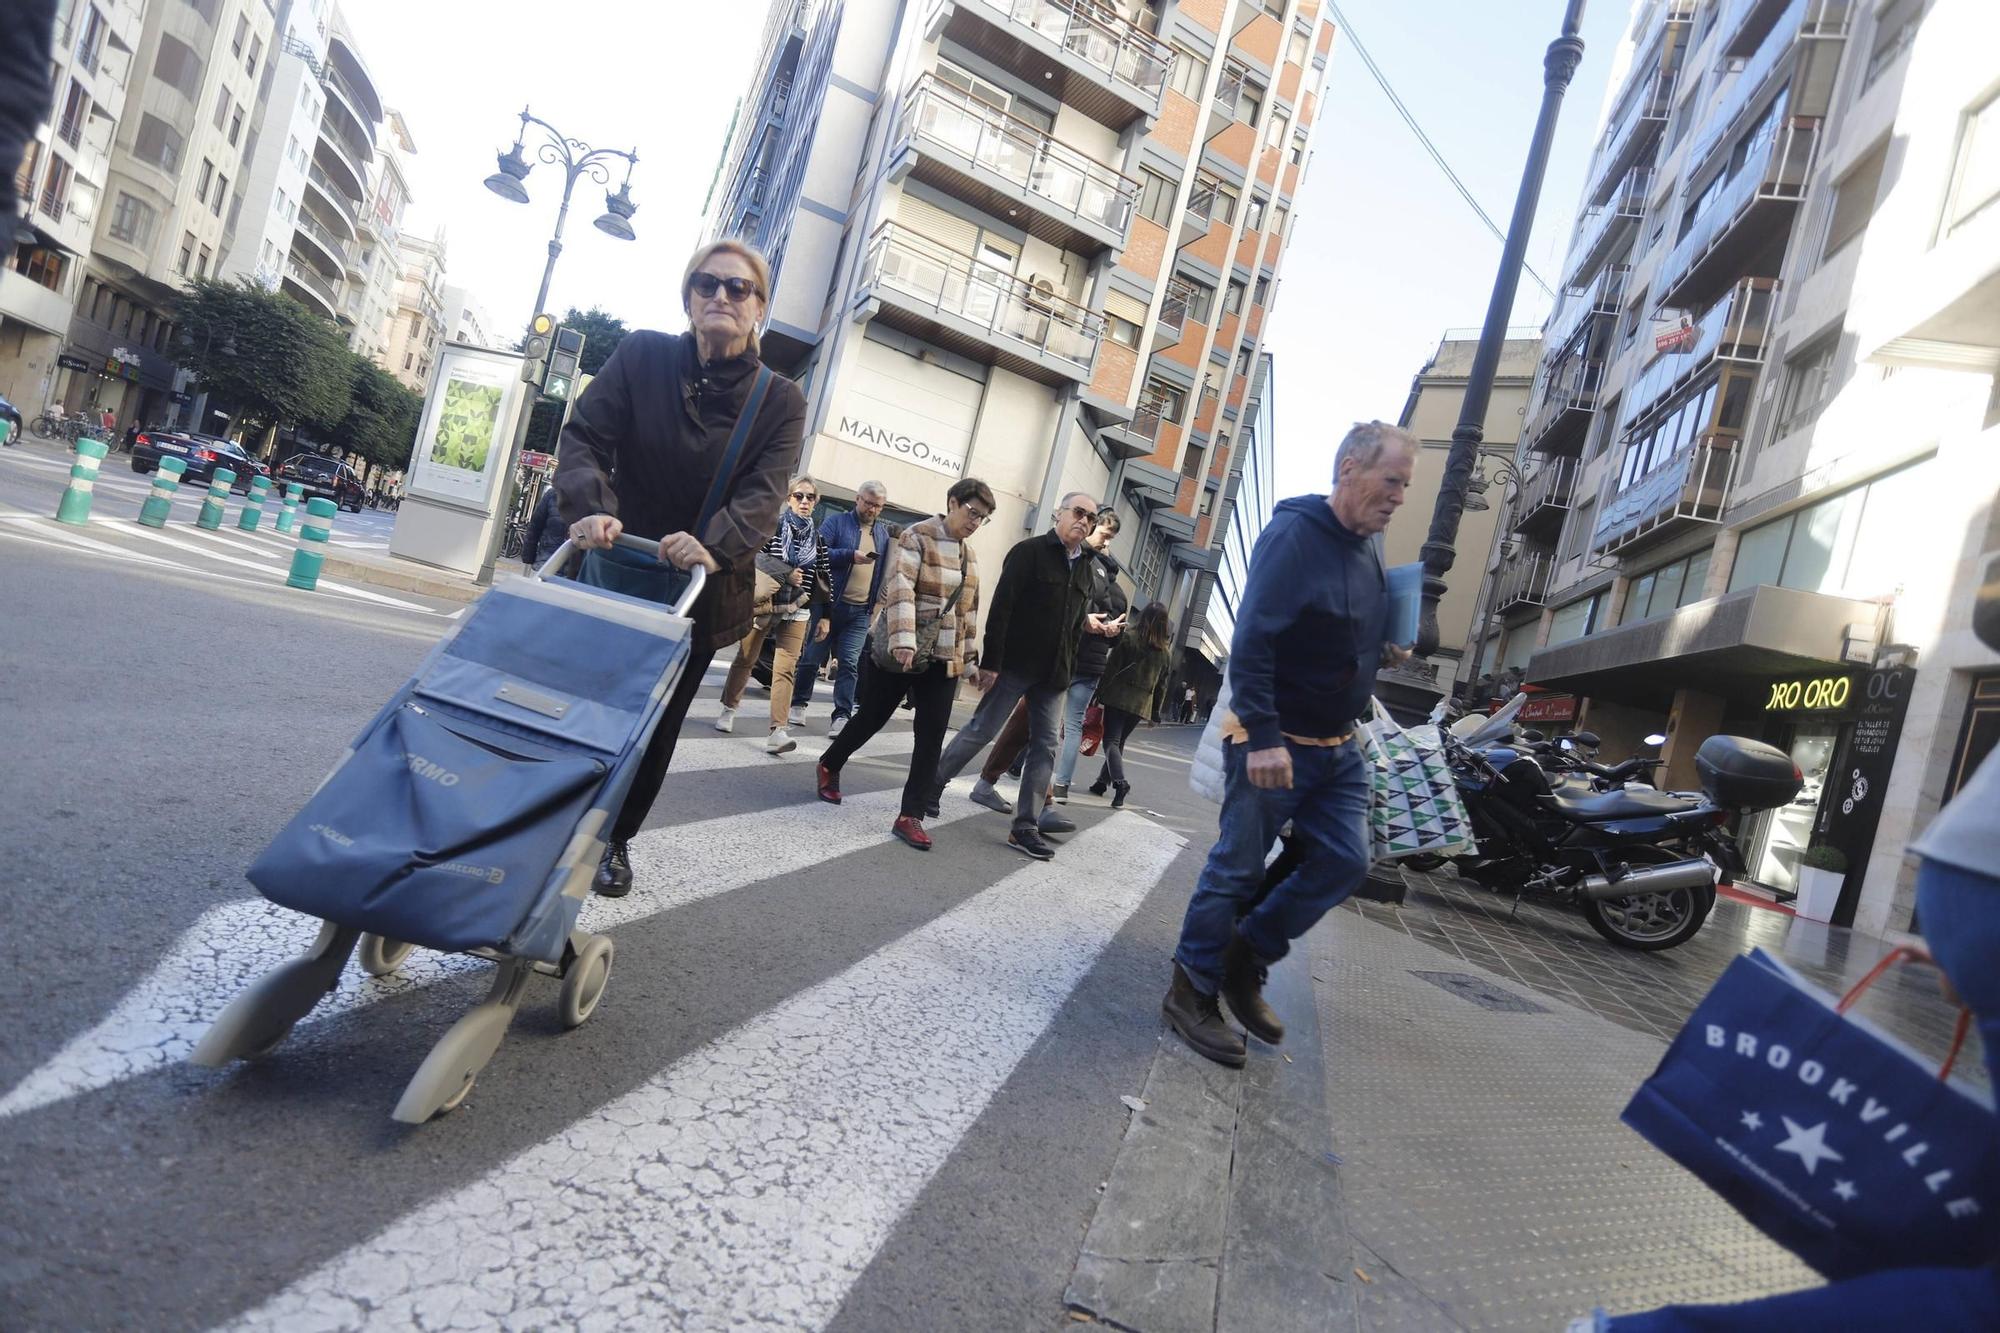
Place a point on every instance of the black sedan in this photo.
(202, 454)
(321, 477)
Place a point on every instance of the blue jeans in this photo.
(1080, 692)
(1037, 760)
(844, 641)
(1327, 806)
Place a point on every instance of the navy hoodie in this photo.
(1309, 628)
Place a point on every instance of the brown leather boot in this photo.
(1198, 1018)
(1243, 977)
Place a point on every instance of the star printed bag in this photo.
(1413, 803)
(1831, 1138)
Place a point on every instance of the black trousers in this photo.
(660, 751)
(1118, 727)
(877, 695)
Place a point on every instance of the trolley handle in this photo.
(697, 576)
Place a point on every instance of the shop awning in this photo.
(1732, 647)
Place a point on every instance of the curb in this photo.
(411, 580)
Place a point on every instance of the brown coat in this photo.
(644, 443)
(919, 581)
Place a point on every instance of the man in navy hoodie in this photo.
(1309, 637)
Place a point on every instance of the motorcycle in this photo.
(1642, 865)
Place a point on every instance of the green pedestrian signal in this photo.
(557, 387)
(565, 360)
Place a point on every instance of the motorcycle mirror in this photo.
(1656, 739)
(1530, 735)
(1588, 738)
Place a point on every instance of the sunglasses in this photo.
(1086, 515)
(740, 290)
(804, 495)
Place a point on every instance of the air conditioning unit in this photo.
(1043, 293)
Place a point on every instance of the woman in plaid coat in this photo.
(933, 585)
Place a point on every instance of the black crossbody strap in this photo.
(732, 455)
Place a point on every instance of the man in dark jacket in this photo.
(1028, 651)
(1309, 638)
(856, 544)
(545, 532)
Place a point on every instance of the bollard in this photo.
(166, 481)
(253, 507)
(217, 500)
(75, 504)
(312, 545)
(290, 512)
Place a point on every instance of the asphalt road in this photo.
(833, 1082)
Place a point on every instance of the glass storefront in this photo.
(1776, 839)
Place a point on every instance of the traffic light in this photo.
(535, 348)
(565, 358)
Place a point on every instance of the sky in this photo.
(1384, 256)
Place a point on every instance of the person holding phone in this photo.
(856, 543)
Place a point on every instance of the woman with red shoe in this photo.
(924, 626)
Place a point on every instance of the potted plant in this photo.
(1822, 870)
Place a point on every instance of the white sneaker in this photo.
(726, 720)
(834, 727)
(799, 717)
(781, 742)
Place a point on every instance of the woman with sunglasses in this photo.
(800, 575)
(930, 590)
(644, 453)
(1132, 690)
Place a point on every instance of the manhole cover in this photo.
(1482, 993)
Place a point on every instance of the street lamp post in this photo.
(577, 160)
(1439, 550)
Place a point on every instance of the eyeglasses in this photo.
(1087, 515)
(804, 495)
(740, 290)
(980, 517)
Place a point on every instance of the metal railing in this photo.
(1603, 295)
(1569, 384)
(1803, 20)
(1525, 579)
(1647, 113)
(314, 228)
(1065, 178)
(1735, 328)
(1147, 418)
(1628, 205)
(349, 206)
(1174, 307)
(1775, 166)
(1106, 43)
(1200, 203)
(1553, 486)
(304, 275)
(357, 153)
(924, 273)
(352, 98)
(1693, 485)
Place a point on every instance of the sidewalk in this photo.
(1442, 1150)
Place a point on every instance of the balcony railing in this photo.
(1569, 396)
(313, 228)
(1645, 115)
(1174, 311)
(1108, 44)
(303, 274)
(349, 206)
(353, 99)
(1600, 224)
(1067, 180)
(1804, 20)
(1736, 328)
(1692, 487)
(1546, 496)
(356, 150)
(1603, 295)
(1010, 310)
(1525, 579)
(1775, 166)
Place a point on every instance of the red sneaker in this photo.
(911, 830)
(829, 785)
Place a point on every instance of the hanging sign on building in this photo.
(68, 362)
(1675, 338)
(1811, 694)
(1851, 805)
(1548, 708)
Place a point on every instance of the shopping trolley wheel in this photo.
(583, 983)
(379, 957)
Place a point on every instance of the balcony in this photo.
(1140, 436)
(1570, 383)
(914, 283)
(1603, 295)
(1524, 581)
(1605, 228)
(350, 101)
(1008, 168)
(1759, 198)
(334, 248)
(1545, 499)
(1811, 30)
(1173, 315)
(352, 146)
(1735, 329)
(331, 157)
(1691, 489)
(1200, 208)
(1229, 86)
(315, 291)
(344, 206)
(1635, 123)
(1077, 51)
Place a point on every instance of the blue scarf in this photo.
(797, 540)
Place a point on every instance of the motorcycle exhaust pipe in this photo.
(1695, 874)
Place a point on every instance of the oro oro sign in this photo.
(1814, 694)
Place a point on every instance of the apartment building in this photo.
(1034, 241)
(1437, 397)
(466, 321)
(1762, 457)
(173, 183)
(62, 182)
(417, 326)
(1255, 491)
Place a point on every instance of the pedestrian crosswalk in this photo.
(751, 1182)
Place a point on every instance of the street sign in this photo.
(68, 362)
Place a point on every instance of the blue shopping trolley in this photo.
(470, 815)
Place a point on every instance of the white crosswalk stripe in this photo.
(751, 1182)
(159, 1020)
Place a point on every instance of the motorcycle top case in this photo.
(1829, 1137)
(447, 824)
(1746, 775)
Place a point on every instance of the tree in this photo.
(381, 420)
(602, 333)
(280, 364)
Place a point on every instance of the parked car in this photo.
(202, 454)
(321, 477)
(11, 422)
